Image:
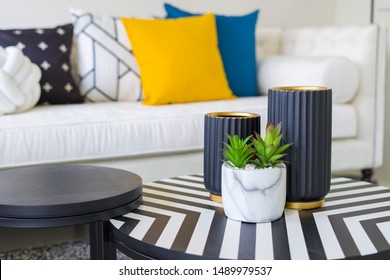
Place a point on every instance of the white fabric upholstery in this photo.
(268, 42)
(78, 132)
(337, 73)
(19, 81)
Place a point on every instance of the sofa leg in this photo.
(367, 174)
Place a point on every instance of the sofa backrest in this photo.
(268, 42)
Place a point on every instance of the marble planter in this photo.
(254, 196)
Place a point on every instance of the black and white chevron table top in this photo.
(177, 220)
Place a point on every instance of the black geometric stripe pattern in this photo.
(110, 71)
(178, 220)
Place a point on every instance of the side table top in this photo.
(61, 191)
(177, 220)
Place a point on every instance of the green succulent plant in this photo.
(262, 153)
(238, 151)
(269, 150)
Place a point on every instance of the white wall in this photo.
(274, 13)
(297, 13)
(352, 12)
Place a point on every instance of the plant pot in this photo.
(306, 116)
(254, 196)
(217, 126)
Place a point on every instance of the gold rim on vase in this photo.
(238, 115)
(300, 88)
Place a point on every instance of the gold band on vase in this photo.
(216, 198)
(305, 205)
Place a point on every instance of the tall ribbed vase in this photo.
(306, 116)
(216, 126)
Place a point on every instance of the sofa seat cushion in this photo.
(66, 133)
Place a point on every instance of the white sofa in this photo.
(167, 140)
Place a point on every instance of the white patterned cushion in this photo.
(106, 65)
(19, 81)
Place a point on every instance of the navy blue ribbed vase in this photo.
(216, 126)
(306, 116)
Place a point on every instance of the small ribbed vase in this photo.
(216, 127)
(306, 116)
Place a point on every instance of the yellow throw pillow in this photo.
(179, 59)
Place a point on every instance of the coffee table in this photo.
(177, 220)
(55, 196)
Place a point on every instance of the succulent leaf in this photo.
(278, 129)
(282, 148)
(277, 140)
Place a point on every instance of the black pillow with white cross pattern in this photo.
(49, 48)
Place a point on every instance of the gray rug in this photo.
(78, 250)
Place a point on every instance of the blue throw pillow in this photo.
(236, 40)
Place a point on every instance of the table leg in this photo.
(102, 245)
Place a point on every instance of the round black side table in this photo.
(55, 196)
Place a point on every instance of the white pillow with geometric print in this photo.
(106, 66)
